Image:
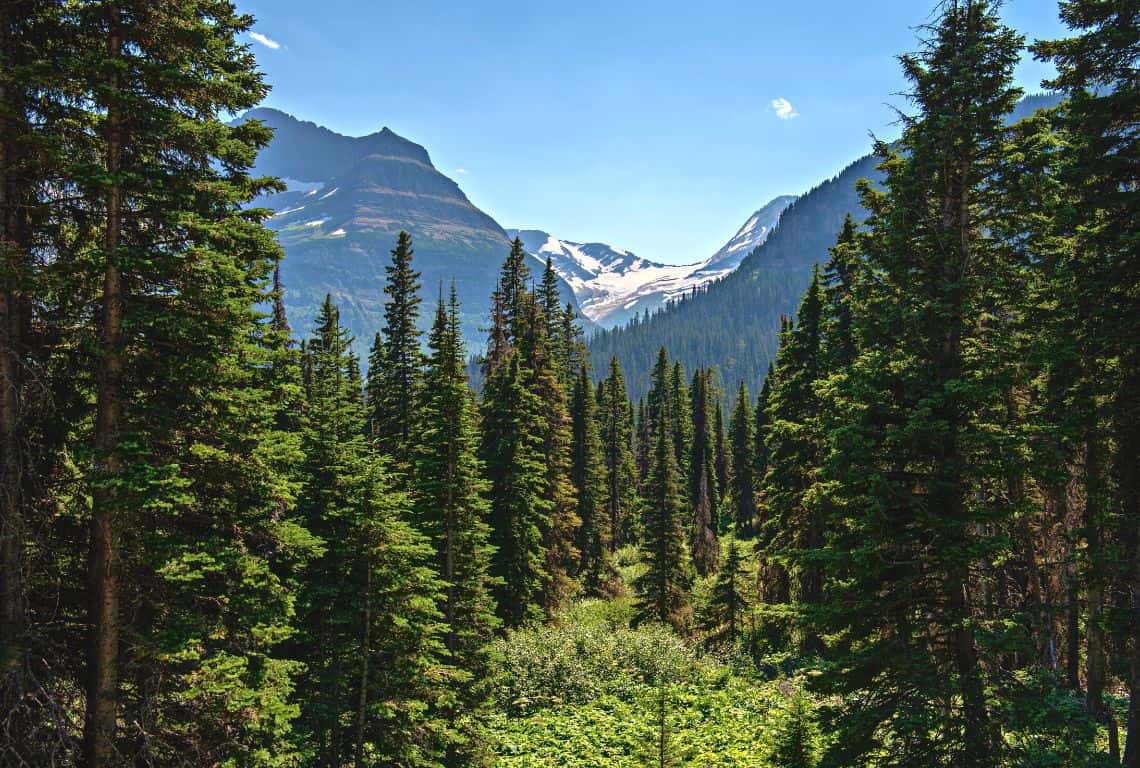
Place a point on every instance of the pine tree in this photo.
(664, 589)
(152, 238)
(702, 479)
(449, 498)
(619, 470)
(681, 422)
(838, 284)
(729, 600)
(906, 466)
(742, 482)
(720, 452)
(587, 473)
(395, 383)
(1097, 70)
(794, 526)
(514, 286)
(519, 516)
(540, 372)
(370, 633)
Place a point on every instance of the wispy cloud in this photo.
(784, 109)
(461, 170)
(268, 42)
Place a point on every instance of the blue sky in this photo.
(655, 127)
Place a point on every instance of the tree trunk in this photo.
(102, 585)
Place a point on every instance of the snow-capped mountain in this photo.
(612, 285)
(754, 232)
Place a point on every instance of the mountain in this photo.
(614, 285)
(733, 324)
(347, 199)
(750, 236)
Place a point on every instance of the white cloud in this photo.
(268, 42)
(784, 109)
(461, 170)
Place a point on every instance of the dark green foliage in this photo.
(917, 431)
(587, 473)
(742, 442)
(449, 502)
(729, 600)
(619, 473)
(1097, 70)
(702, 477)
(512, 453)
(395, 367)
(368, 625)
(794, 523)
(663, 590)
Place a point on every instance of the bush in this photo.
(589, 653)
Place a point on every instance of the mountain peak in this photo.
(327, 153)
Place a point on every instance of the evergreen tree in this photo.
(512, 452)
(681, 422)
(554, 433)
(514, 286)
(587, 473)
(729, 600)
(838, 285)
(369, 630)
(449, 492)
(702, 479)
(743, 487)
(394, 384)
(1097, 69)
(619, 472)
(794, 526)
(720, 452)
(156, 273)
(664, 589)
(906, 466)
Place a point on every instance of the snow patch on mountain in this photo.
(612, 284)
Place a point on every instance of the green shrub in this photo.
(589, 653)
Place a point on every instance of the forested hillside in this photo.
(734, 324)
(916, 542)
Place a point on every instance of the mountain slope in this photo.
(347, 200)
(613, 285)
(734, 324)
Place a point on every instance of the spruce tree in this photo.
(185, 607)
(794, 526)
(587, 473)
(519, 515)
(720, 453)
(1097, 70)
(541, 377)
(729, 599)
(702, 479)
(906, 466)
(742, 478)
(449, 497)
(370, 633)
(395, 383)
(664, 589)
(619, 469)
(514, 286)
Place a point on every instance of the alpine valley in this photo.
(347, 198)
